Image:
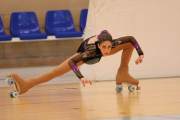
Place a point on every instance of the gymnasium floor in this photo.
(159, 99)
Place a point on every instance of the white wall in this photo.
(154, 23)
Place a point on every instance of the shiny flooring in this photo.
(159, 99)
(164, 117)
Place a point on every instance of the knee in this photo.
(131, 46)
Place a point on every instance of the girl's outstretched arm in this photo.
(72, 63)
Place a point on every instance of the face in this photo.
(105, 47)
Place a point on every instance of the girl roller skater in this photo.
(90, 52)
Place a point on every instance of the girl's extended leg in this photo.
(24, 85)
(123, 71)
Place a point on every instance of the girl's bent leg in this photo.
(123, 71)
(24, 85)
(126, 54)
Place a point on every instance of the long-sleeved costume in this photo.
(91, 54)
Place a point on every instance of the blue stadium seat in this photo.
(3, 36)
(83, 18)
(25, 25)
(60, 23)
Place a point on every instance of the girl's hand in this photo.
(85, 81)
(140, 59)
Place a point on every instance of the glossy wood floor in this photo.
(98, 101)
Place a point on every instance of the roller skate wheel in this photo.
(10, 94)
(119, 89)
(15, 94)
(8, 75)
(138, 88)
(10, 81)
(132, 88)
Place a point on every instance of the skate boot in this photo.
(22, 85)
(123, 78)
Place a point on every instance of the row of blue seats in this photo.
(59, 23)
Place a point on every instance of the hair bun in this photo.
(104, 31)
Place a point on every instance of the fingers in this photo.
(83, 82)
(86, 81)
(90, 82)
(139, 60)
